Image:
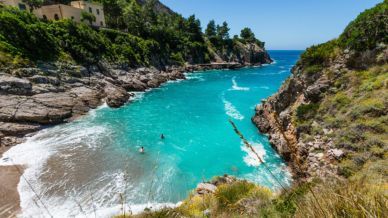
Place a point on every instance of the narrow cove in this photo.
(93, 164)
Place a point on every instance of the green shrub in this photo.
(128, 49)
(373, 106)
(313, 69)
(177, 58)
(229, 195)
(319, 55)
(341, 99)
(368, 29)
(21, 34)
(306, 111)
(82, 42)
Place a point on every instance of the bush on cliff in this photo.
(83, 43)
(366, 32)
(368, 29)
(227, 48)
(22, 34)
(128, 49)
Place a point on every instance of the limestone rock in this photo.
(205, 188)
(116, 97)
(14, 85)
(336, 153)
(18, 129)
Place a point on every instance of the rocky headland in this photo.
(300, 118)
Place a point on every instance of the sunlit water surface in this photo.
(91, 166)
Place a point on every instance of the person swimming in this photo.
(162, 136)
(141, 150)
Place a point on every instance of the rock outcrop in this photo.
(210, 187)
(317, 155)
(274, 117)
(245, 54)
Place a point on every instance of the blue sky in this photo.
(282, 24)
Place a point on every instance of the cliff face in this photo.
(247, 54)
(275, 117)
(250, 54)
(330, 117)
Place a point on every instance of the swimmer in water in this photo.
(162, 136)
(141, 150)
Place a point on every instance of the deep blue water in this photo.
(97, 156)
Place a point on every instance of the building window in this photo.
(22, 7)
(102, 23)
(56, 17)
(98, 11)
(44, 17)
(90, 10)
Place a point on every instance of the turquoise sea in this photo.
(90, 166)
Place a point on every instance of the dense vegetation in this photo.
(222, 45)
(366, 32)
(137, 35)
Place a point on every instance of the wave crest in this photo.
(251, 159)
(236, 87)
(231, 110)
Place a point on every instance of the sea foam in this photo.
(236, 87)
(251, 159)
(231, 110)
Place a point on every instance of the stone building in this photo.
(60, 11)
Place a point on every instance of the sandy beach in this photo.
(9, 195)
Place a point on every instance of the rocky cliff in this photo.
(247, 54)
(330, 117)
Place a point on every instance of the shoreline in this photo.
(11, 175)
(9, 195)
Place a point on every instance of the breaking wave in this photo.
(236, 87)
(231, 110)
(251, 159)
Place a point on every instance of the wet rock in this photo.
(6, 141)
(115, 96)
(136, 85)
(18, 129)
(153, 83)
(86, 96)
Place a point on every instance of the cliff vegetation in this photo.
(139, 33)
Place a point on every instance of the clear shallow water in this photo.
(89, 166)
